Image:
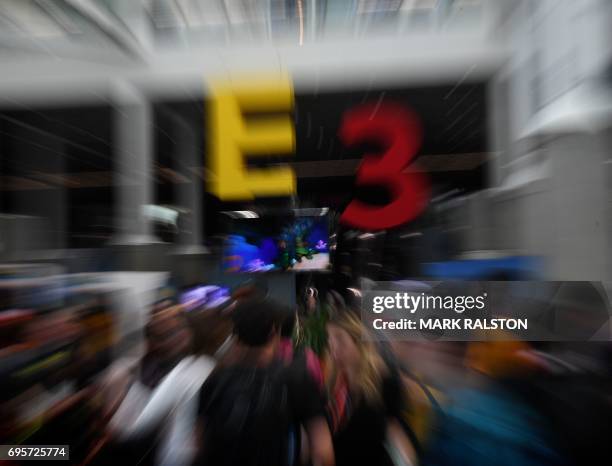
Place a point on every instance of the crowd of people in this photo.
(260, 383)
(259, 396)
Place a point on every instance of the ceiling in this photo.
(78, 28)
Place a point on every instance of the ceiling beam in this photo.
(109, 27)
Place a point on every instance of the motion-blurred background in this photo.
(103, 105)
(105, 207)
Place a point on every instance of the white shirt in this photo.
(173, 403)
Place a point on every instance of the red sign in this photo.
(398, 130)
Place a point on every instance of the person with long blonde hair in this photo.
(366, 397)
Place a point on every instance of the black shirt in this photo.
(361, 439)
(248, 412)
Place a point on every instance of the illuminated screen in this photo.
(277, 243)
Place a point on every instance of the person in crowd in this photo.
(158, 398)
(248, 407)
(366, 398)
(305, 358)
(230, 351)
(486, 420)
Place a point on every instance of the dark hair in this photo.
(255, 320)
(154, 315)
(286, 330)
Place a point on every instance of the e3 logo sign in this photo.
(234, 136)
(399, 132)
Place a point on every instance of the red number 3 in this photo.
(398, 130)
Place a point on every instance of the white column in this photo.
(189, 195)
(132, 134)
(498, 128)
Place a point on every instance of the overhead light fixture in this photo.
(370, 235)
(415, 234)
(242, 214)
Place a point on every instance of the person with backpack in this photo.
(248, 408)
